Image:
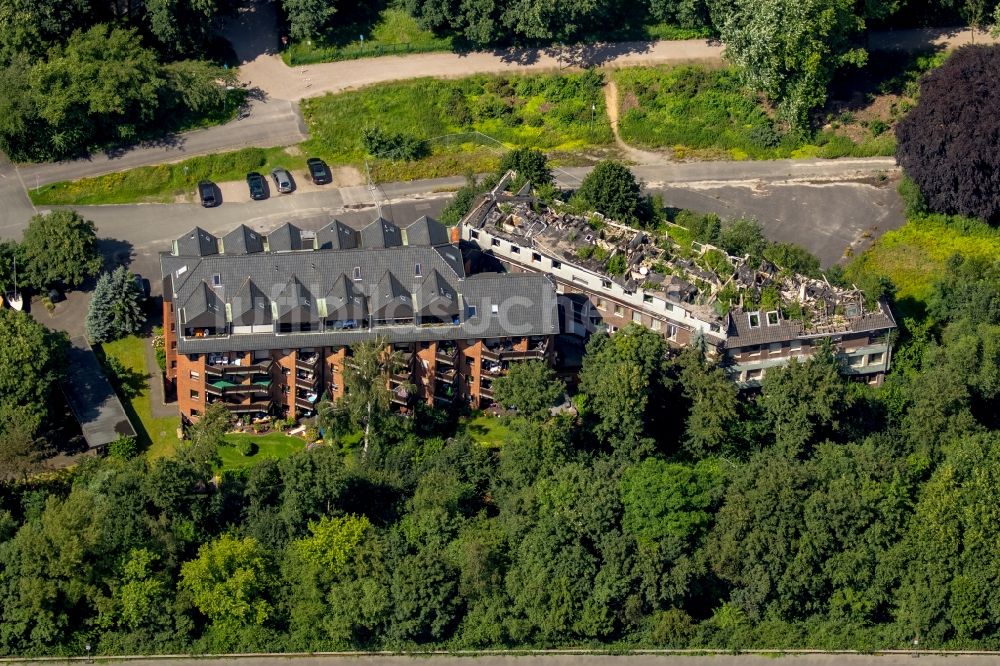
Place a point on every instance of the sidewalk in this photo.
(157, 405)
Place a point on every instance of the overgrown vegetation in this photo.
(461, 120)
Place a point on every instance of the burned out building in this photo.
(751, 314)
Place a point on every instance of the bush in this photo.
(618, 265)
(393, 145)
(123, 448)
(530, 164)
(247, 447)
(912, 198)
(611, 189)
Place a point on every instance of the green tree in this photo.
(115, 308)
(21, 452)
(624, 382)
(231, 581)
(205, 436)
(530, 164)
(196, 85)
(790, 50)
(742, 237)
(531, 388)
(8, 253)
(31, 361)
(713, 403)
(671, 500)
(611, 188)
(308, 18)
(366, 402)
(60, 247)
(804, 401)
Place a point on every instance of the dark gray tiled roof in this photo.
(390, 299)
(286, 238)
(203, 307)
(250, 306)
(196, 243)
(296, 303)
(344, 302)
(436, 297)
(381, 234)
(336, 236)
(526, 306)
(242, 240)
(426, 231)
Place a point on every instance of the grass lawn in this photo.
(486, 430)
(158, 436)
(914, 255)
(546, 111)
(394, 31)
(702, 111)
(274, 445)
(164, 183)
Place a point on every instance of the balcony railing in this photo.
(224, 367)
(248, 407)
(446, 374)
(307, 362)
(486, 392)
(447, 356)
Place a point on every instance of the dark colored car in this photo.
(282, 180)
(207, 194)
(143, 285)
(257, 185)
(319, 171)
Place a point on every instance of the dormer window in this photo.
(472, 311)
(754, 319)
(357, 273)
(772, 318)
(416, 270)
(216, 280)
(494, 309)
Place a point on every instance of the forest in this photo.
(665, 510)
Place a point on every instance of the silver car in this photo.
(282, 180)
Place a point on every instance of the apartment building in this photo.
(265, 323)
(754, 317)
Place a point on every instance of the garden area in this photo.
(156, 436)
(453, 126)
(245, 450)
(704, 112)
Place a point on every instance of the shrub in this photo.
(613, 190)
(617, 265)
(393, 145)
(912, 198)
(123, 448)
(247, 447)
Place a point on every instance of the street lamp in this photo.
(87, 648)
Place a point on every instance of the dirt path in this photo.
(633, 154)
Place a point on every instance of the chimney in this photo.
(456, 233)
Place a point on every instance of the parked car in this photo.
(319, 171)
(282, 180)
(56, 296)
(257, 185)
(207, 194)
(143, 285)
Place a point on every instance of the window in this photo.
(472, 311)
(875, 359)
(416, 270)
(756, 373)
(857, 361)
(774, 348)
(495, 242)
(772, 318)
(473, 234)
(671, 332)
(619, 311)
(173, 364)
(656, 325)
(606, 284)
(216, 280)
(796, 345)
(556, 264)
(754, 319)
(647, 298)
(195, 375)
(668, 307)
(494, 309)
(752, 350)
(602, 304)
(195, 395)
(357, 273)
(637, 317)
(535, 256)
(515, 249)
(195, 412)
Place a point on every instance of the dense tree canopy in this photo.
(949, 144)
(612, 189)
(115, 308)
(59, 248)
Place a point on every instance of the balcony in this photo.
(448, 375)
(491, 353)
(531, 354)
(400, 396)
(248, 407)
(304, 378)
(307, 362)
(447, 356)
(306, 399)
(219, 365)
(486, 392)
